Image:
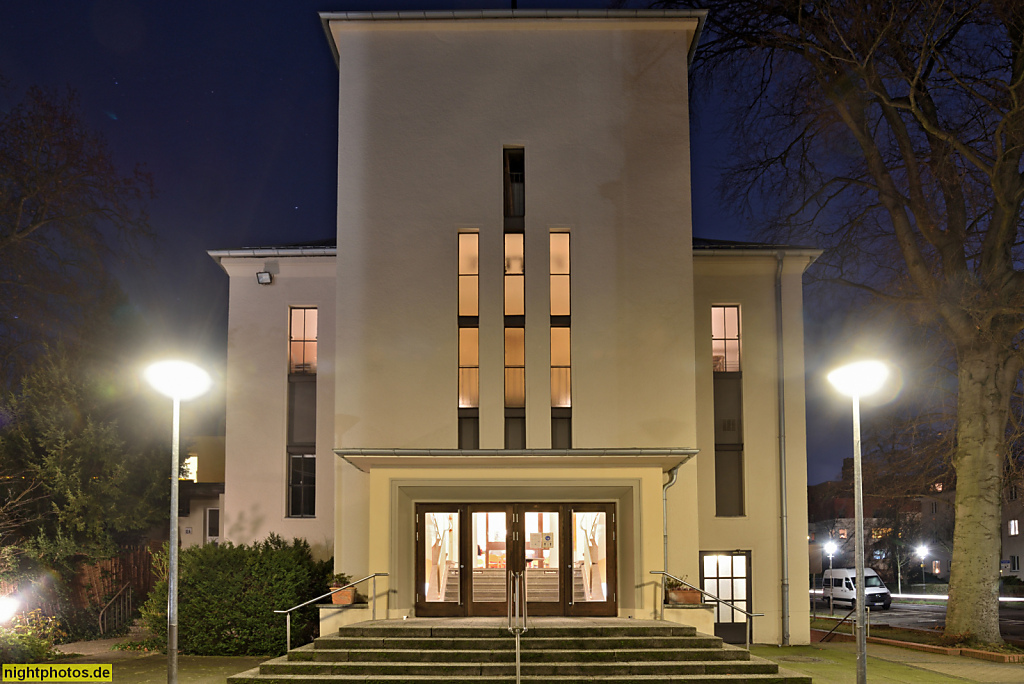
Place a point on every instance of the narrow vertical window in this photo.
(301, 426)
(561, 347)
(728, 408)
(515, 185)
(469, 341)
(514, 174)
(302, 340)
(725, 338)
(302, 485)
(515, 367)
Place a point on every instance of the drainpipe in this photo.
(782, 451)
(672, 475)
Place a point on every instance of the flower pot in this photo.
(345, 597)
(683, 596)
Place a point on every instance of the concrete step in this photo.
(254, 677)
(422, 653)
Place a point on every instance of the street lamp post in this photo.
(830, 549)
(857, 380)
(922, 552)
(180, 381)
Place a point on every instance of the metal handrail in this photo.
(119, 610)
(746, 631)
(517, 596)
(373, 602)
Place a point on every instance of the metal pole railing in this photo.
(373, 603)
(716, 599)
(516, 623)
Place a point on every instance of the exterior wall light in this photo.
(264, 277)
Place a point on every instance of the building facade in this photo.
(516, 357)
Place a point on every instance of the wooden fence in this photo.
(95, 583)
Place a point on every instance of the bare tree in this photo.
(65, 213)
(892, 134)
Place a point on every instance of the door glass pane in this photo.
(489, 555)
(589, 557)
(442, 557)
(541, 535)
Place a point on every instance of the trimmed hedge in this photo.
(227, 596)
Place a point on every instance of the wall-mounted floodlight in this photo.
(264, 277)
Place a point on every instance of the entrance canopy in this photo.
(665, 458)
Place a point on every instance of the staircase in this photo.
(555, 650)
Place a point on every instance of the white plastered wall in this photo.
(600, 107)
(255, 467)
(749, 281)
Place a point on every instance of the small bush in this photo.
(18, 645)
(227, 596)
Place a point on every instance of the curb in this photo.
(818, 634)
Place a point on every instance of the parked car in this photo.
(840, 584)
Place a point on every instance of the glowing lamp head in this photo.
(8, 607)
(922, 551)
(831, 548)
(178, 379)
(859, 379)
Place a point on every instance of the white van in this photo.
(841, 585)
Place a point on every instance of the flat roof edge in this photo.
(447, 15)
(410, 15)
(272, 252)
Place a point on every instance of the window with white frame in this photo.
(1014, 528)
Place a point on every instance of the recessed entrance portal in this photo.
(466, 552)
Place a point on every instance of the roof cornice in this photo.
(476, 15)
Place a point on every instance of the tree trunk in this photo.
(986, 379)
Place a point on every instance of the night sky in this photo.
(232, 107)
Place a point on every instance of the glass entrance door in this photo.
(490, 551)
(466, 552)
(541, 553)
(592, 561)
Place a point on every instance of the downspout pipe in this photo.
(783, 501)
(673, 475)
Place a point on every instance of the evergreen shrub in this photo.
(227, 596)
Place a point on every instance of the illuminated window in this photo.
(560, 300)
(936, 567)
(561, 347)
(1014, 528)
(515, 367)
(514, 274)
(301, 425)
(469, 274)
(190, 469)
(302, 340)
(881, 532)
(561, 382)
(842, 534)
(469, 340)
(725, 338)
